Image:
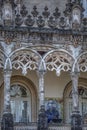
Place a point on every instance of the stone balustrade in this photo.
(33, 126)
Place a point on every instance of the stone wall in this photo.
(61, 4)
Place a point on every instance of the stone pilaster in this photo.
(7, 119)
(76, 122)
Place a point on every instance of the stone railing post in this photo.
(7, 119)
(76, 122)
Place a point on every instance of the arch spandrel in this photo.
(82, 62)
(24, 59)
(59, 60)
(2, 58)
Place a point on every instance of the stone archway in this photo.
(82, 85)
(58, 60)
(23, 81)
(24, 59)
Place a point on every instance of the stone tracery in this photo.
(25, 59)
(59, 61)
(82, 61)
(42, 26)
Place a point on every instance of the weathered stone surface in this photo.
(76, 122)
(7, 122)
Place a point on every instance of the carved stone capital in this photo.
(7, 72)
(41, 73)
(74, 75)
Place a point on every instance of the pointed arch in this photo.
(59, 60)
(25, 58)
(82, 61)
(67, 98)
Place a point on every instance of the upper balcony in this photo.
(54, 15)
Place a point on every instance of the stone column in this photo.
(42, 119)
(76, 123)
(41, 88)
(7, 119)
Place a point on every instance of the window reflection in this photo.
(82, 101)
(20, 104)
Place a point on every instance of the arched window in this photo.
(20, 103)
(82, 101)
(68, 106)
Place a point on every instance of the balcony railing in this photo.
(33, 126)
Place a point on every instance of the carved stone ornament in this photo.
(25, 60)
(7, 13)
(29, 21)
(1, 60)
(42, 119)
(18, 20)
(9, 36)
(52, 22)
(83, 63)
(76, 18)
(58, 61)
(62, 22)
(84, 21)
(76, 121)
(24, 11)
(34, 12)
(56, 14)
(76, 40)
(68, 9)
(40, 21)
(46, 13)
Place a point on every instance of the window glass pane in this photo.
(20, 103)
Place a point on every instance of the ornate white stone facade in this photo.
(43, 41)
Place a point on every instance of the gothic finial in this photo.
(56, 14)
(24, 11)
(52, 22)
(40, 22)
(68, 9)
(29, 21)
(62, 22)
(34, 12)
(46, 13)
(18, 20)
